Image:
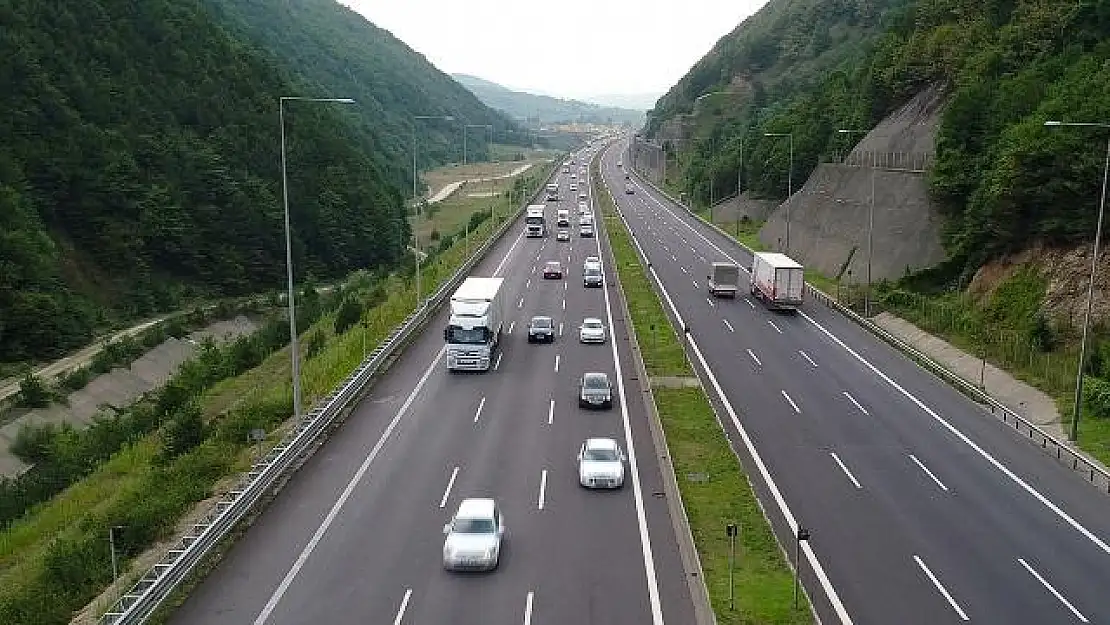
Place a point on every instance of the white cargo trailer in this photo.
(777, 280)
(474, 331)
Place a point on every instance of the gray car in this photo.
(541, 330)
(594, 391)
(473, 537)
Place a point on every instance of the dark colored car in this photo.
(595, 391)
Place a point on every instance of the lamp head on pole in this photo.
(1054, 123)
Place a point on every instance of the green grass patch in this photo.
(763, 581)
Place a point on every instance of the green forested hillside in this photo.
(139, 161)
(326, 48)
(546, 109)
(1001, 178)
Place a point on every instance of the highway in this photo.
(355, 536)
(922, 508)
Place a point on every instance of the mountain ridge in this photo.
(543, 108)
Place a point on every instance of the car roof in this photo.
(477, 508)
(552, 262)
(591, 319)
(595, 374)
(601, 443)
(541, 317)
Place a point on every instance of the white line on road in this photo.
(447, 491)
(512, 324)
(695, 283)
(774, 326)
(528, 283)
(808, 359)
(565, 283)
(533, 269)
(556, 363)
(560, 328)
(711, 302)
(497, 363)
(674, 258)
(936, 582)
(757, 362)
(528, 609)
(551, 412)
(520, 304)
(928, 472)
(543, 488)
(728, 325)
(291, 574)
(478, 413)
(750, 303)
(404, 605)
(501, 265)
(1044, 582)
(564, 303)
(792, 404)
(684, 270)
(853, 400)
(845, 469)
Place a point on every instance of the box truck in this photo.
(473, 332)
(777, 280)
(723, 279)
(535, 221)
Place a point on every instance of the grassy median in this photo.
(697, 445)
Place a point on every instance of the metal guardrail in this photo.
(162, 579)
(1054, 447)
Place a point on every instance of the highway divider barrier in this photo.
(175, 566)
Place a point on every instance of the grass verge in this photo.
(697, 444)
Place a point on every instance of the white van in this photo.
(563, 217)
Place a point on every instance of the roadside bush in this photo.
(75, 379)
(183, 432)
(478, 217)
(1096, 397)
(348, 315)
(33, 442)
(32, 392)
(316, 343)
(114, 354)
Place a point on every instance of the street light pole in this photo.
(289, 246)
(415, 175)
(1073, 432)
(789, 180)
(870, 224)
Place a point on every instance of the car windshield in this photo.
(473, 526)
(591, 270)
(592, 324)
(596, 382)
(553, 266)
(541, 322)
(600, 455)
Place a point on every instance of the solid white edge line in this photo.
(1056, 593)
(478, 413)
(844, 468)
(774, 326)
(963, 437)
(551, 412)
(501, 265)
(637, 491)
(922, 466)
(447, 491)
(543, 488)
(967, 441)
(791, 401)
(754, 357)
(858, 405)
(528, 608)
(808, 359)
(291, 574)
(943, 591)
(404, 605)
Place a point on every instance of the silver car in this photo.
(601, 464)
(473, 537)
(591, 331)
(594, 391)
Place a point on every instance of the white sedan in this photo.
(591, 331)
(601, 464)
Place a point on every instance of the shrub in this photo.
(1096, 397)
(32, 392)
(75, 379)
(33, 442)
(316, 342)
(183, 432)
(349, 313)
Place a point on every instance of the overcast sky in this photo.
(570, 48)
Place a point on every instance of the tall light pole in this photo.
(789, 180)
(289, 246)
(1073, 433)
(870, 224)
(415, 175)
(739, 185)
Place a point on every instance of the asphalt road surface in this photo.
(355, 537)
(922, 509)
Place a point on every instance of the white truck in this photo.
(473, 332)
(535, 221)
(562, 217)
(777, 280)
(553, 192)
(723, 279)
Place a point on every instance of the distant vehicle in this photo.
(594, 391)
(473, 537)
(541, 329)
(586, 229)
(535, 221)
(473, 331)
(566, 170)
(553, 192)
(563, 218)
(585, 218)
(573, 187)
(574, 176)
(591, 331)
(582, 197)
(564, 235)
(628, 189)
(601, 464)
(626, 176)
(723, 279)
(583, 208)
(620, 163)
(777, 280)
(592, 259)
(553, 270)
(592, 275)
